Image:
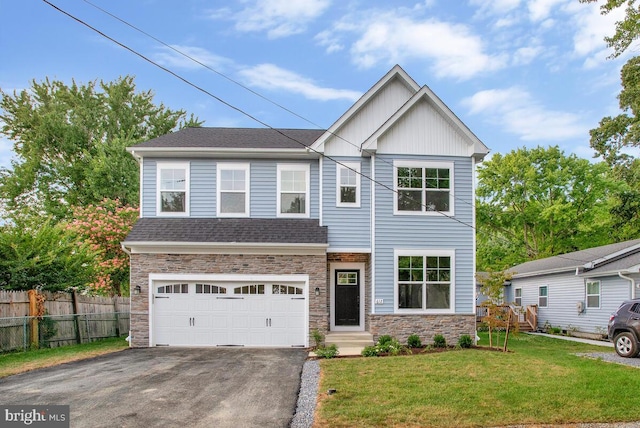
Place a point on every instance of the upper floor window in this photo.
(233, 189)
(173, 188)
(293, 190)
(423, 187)
(424, 281)
(348, 184)
(593, 294)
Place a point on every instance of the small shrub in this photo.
(439, 341)
(384, 339)
(370, 351)
(555, 330)
(330, 351)
(318, 338)
(465, 341)
(414, 341)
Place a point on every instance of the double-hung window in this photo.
(423, 187)
(593, 294)
(173, 189)
(425, 281)
(293, 190)
(543, 296)
(517, 296)
(348, 184)
(233, 180)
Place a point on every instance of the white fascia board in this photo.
(232, 153)
(224, 248)
(544, 272)
(477, 147)
(396, 71)
(601, 260)
(349, 250)
(627, 271)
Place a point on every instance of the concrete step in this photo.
(349, 342)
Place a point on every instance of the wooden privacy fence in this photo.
(45, 319)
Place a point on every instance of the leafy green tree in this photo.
(535, 203)
(627, 30)
(103, 226)
(70, 141)
(44, 257)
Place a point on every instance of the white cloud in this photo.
(279, 18)
(397, 36)
(518, 113)
(272, 77)
(541, 9)
(328, 40)
(495, 7)
(525, 55)
(170, 58)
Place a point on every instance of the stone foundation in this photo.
(426, 326)
(243, 264)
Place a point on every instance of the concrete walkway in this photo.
(575, 339)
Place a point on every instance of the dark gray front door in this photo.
(347, 297)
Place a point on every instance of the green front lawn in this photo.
(539, 382)
(18, 362)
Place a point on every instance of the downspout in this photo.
(633, 284)
(373, 232)
(130, 307)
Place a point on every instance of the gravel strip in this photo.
(307, 396)
(612, 357)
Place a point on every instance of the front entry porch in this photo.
(349, 343)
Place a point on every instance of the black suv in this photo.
(624, 328)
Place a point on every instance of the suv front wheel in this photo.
(626, 344)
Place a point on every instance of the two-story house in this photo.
(257, 237)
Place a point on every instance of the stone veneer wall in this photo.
(244, 264)
(426, 326)
(353, 258)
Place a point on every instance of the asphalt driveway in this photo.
(169, 387)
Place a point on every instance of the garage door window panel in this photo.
(210, 289)
(174, 289)
(249, 289)
(285, 289)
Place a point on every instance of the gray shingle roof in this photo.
(577, 259)
(228, 230)
(235, 138)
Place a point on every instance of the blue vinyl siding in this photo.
(425, 232)
(349, 227)
(203, 187)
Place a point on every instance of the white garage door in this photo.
(228, 314)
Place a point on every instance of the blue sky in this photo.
(518, 73)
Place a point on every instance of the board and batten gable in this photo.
(202, 186)
(349, 227)
(565, 290)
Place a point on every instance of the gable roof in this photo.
(154, 230)
(425, 93)
(608, 258)
(395, 73)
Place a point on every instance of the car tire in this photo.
(626, 344)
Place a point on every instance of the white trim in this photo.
(547, 296)
(348, 166)
(425, 253)
(373, 232)
(320, 189)
(187, 187)
(306, 168)
(218, 153)
(473, 223)
(141, 184)
(348, 250)
(423, 165)
(346, 266)
(515, 297)
(153, 277)
(586, 293)
(234, 166)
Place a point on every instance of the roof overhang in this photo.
(593, 264)
(235, 153)
(627, 271)
(544, 272)
(171, 247)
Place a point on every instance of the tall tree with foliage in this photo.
(70, 141)
(535, 203)
(42, 255)
(103, 227)
(627, 30)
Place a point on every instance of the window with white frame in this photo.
(424, 281)
(233, 181)
(593, 294)
(348, 184)
(517, 296)
(423, 187)
(173, 188)
(293, 190)
(543, 296)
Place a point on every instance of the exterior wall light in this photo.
(137, 289)
(317, 291)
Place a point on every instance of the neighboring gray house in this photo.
(578, 291)
(257, 237)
